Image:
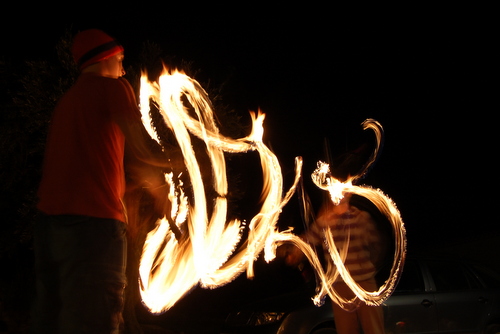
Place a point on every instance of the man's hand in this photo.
(292, 255)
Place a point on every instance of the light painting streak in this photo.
(337, 189)
(206, 254)
(207, 251)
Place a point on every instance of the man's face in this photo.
(113, 66)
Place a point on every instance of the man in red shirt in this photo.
(80, 243)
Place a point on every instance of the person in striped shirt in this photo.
(356, 224)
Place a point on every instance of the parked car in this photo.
(433, 296)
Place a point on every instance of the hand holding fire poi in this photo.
(208, 253)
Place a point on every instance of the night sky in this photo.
(319, 73)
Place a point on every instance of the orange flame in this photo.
(337, 189)
(206, 254)
(169, 267)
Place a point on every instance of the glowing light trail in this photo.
(207, 251)
(337, 189)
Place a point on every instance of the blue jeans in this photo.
(80, 274)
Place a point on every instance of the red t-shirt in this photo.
(83, 171)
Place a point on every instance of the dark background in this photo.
(317, 73)
(425, 73)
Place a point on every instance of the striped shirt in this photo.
(355, 229)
